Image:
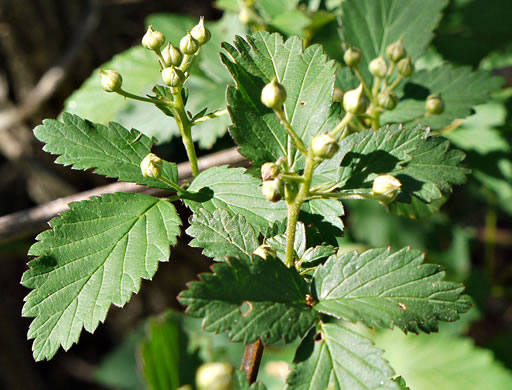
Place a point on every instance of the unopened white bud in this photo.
(189, 45)
(214, 376)
(111, 81)
(386, 188)
(269, 171)
(273, 95)
(405, 67)
(271, 190)
(151, 166)
(396, 51)
(173, 77)
(265, 251)
(171, 55)
(200, 32)
(324, 146)
(352, 57)
(354, 101)
(378, 67)
(153, 40)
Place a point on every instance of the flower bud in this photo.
(269, 171)
(153, 40)
(265, 251)
(173, 77)
(387, 100)
(245, 16)
(324, 146)
(111, 81)
(434, 105)
(405, 67)
(188, 44)
(396, 51)
(352, 57)
(200, 32)
(151, 166)
(378, 67)
(273, 95)
(385, 188)
(337, 95)
(171, 55)
(354, 101)
(271, 190)
(214, 376)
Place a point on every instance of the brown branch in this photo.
(27, 222)
(251, 360)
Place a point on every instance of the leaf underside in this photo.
(95, 255)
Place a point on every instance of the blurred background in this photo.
(48, 48)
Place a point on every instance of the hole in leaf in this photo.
(302, 103)
(402, 306)
(319, 336)
(246, 308)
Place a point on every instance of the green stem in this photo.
(344, 122)
(172, 184)
(295, 138)
(365, 86)
(213, 115)
(160, 57)
(294, 208)
(185, 126)
(395, 83)
(292, 178)
(129, 95)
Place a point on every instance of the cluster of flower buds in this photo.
(214, 376)
(386, 188)
(273, 95)
(378, 67)
(172, 57)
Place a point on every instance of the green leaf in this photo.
(166, 362)
(236, 191)
(222, 234)
(250, 300)
(401, 383)
(461, 89)
(337, 358)
(240, 382)
(95, 255)
(381, 289)
(317, 254)
(112, 151)
(424, 164)
(306, 74)
(372, 25)
(443, 362)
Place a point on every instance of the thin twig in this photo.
(27, 222)
(251, 360)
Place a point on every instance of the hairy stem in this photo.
(213, 115)
(342, 125)
(251, 360)
(294, 208)
(185, 126)
(295, 138)
(129, 95)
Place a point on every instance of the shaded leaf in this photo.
(250, 300)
